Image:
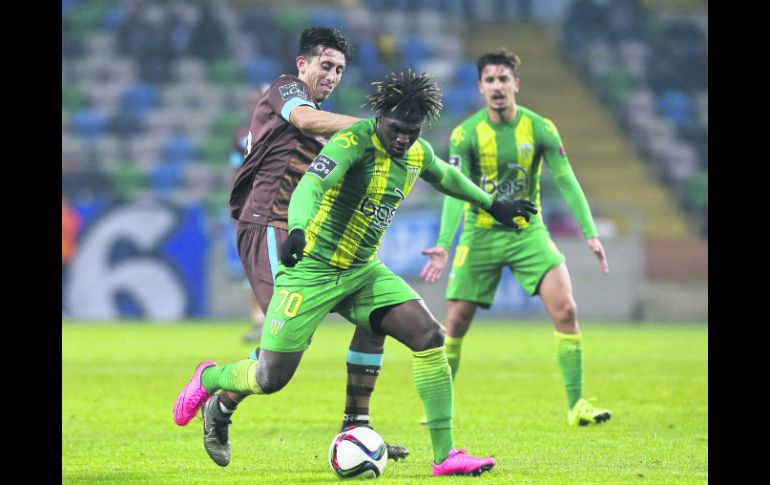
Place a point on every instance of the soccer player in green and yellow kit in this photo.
(338, 214)
(502, 148)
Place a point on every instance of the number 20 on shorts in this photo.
(290, 303)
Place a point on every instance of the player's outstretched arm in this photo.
(438, 255)
(437, 260)
(316, 122)
(558, 164)
(596, 247)
(451, 182)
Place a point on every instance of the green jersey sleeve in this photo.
(452, 210)
(325, 171)
(449, 181)
(557, 162)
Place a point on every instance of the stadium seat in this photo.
(633, 54)
(466, 74)
(129, 180)
(696, 190)
(89, 124)
(327, 16)
(216, 150)
(72, 98)
(166, 178)
(113, 18)
(677, 107)
(178, 149)
(618, 83)
(261, 71)
(225, 73)
(413, 51)
(600, 58)
(139, 98)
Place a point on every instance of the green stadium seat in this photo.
(129, 181)
(225, 72)
(71, 98)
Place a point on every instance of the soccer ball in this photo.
(358, 452)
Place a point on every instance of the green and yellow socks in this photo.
(453, 346)
(569, 354)
(433, 380)
(238, 377)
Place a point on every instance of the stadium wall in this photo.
(155, 260)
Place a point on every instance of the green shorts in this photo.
(481, 255)
(305, 294)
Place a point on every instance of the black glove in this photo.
(291, 249)
(505, 210)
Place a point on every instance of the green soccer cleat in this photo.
(583, 413)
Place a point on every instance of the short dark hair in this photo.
(315, 39)
(408, 93)
(500, 56)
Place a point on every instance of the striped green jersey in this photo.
(504, 159)
(349, 195)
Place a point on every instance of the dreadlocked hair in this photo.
(409, 93)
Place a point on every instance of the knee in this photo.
(271, 382)
(367, 342)
(566, 312)
(430, 338)
(459, 316)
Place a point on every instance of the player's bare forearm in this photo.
(437, 261)
(596, 247)
(316, 122)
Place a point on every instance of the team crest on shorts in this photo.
(276, 326)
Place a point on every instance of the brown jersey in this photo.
(278, 155)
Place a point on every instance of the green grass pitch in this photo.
(119, 383)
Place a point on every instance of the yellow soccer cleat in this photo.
(584, 413)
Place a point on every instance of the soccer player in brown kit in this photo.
(287, 131)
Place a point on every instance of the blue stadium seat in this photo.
(466, 74)
(327, 17)
(261, 71)
(178, 149)
(413, 51)
(89, 124)
(140, 98)
(677, 107)
(113, 18)
(459, 100)
(165, 178)
(372, 67)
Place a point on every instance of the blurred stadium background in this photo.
(153, 93)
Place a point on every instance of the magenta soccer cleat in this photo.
(192, 397)
(460, 463)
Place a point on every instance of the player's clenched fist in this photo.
(291, 249)
(505, 210)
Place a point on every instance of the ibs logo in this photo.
(381, 213)
(508, 188)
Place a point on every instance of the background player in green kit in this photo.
(501, 148)
(338, 214)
